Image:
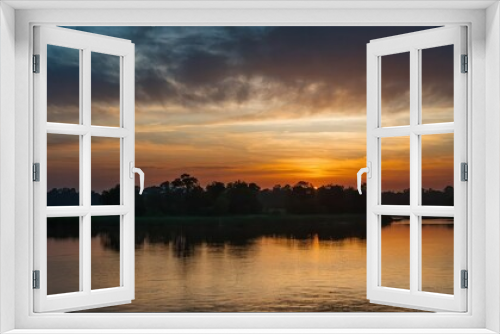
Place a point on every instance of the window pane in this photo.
(437, 84)
(395, 97)
(105, 252)
(437, 169)
(63, 255)
(437, 255)
(395, 249)
(105, 171)
(395, 170)
(63, 84)
(63, 170)
(105, 89)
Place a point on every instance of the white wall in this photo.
(492, 165)
(284, 17)
(7, 160)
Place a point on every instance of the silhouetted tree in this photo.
(396, 198)
(186, 182)
(331, 199)
(63, 197)
(140, 206)
(354, 202)
(153, 201)
(215, 189)
(436, 197)
(242, 198)
(216, 198)
(111, 196)
(274, 200)
(301, 199)
(184, 196)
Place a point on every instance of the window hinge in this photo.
(465, 64)
(36, 172)
(36, 63)
(464, 171)
(36, 279)
(464, 279)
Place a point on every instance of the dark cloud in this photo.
(203, 68)
(105, 78)
(63, 76)
(234, 102)
(196, 66)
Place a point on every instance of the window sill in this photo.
(252, 331)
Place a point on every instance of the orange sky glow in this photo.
(261, 116)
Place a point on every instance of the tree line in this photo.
(184, 196)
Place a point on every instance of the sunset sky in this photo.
(271, 105)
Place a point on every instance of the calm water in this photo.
(293, 265)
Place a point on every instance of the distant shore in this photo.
(348, 217)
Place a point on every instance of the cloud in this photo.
(298, 70)
(264, 104)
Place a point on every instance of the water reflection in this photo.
(185, 234)
(291, 264)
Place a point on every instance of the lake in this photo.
(252, 264)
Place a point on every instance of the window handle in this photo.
(141, 175)
(368, 171)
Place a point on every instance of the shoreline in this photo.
(248, 218)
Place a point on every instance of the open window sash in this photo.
(414, 43)
(85, 43)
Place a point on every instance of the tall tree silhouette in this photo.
(217, 199)
(111, 196)
(242, 197)
(331, 199)
(301, 199)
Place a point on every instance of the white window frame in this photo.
(484, 24)
(86, 44)
(413, 44)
